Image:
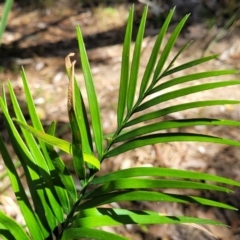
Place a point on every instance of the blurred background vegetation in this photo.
(223, 13)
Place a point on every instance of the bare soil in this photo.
(40, 40)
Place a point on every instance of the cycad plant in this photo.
(56, 210)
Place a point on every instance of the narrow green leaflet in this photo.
(143, 183)
(30, 103)
(168, 137)
(61, 173)
(51, 131)
(31, 173)
(92, 160)
(185, 91)
(167, 49)
(188, 65)
(118, 212)
(176, 57)
(40, 153)
(4, 99)
(92, 98)
(34, 116)
(115, 217)
(125, 69)
(79, 163)
(130, 195)
(5, 234)
(131, 90)
(155, 51)
(75, 233)
(161, 172)
(6, 9)
(12, 227)
(40, 163)
(116, 220)
(19, 191)
(49, 139)
(82, 120)
(190, 77)
(177, 108)
(11, 125)
(151, 128)
(59, 143)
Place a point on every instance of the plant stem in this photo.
(118, 131)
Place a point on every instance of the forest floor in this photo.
(39, 40)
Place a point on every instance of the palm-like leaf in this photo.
(166, 51)
(10, 229)
(151, 196)
(131, 88)
(151, 133)
(115, 217)
(61, 144)
(78, 232)
(92, 98)
(32, 175)
(124, 79)
(17, 186)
